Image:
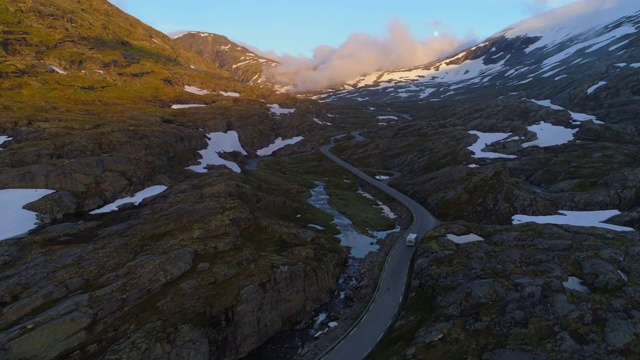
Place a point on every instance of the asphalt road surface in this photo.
(382, 310)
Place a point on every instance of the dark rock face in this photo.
(508, 296)
(131, 284)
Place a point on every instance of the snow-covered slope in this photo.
(578, 41)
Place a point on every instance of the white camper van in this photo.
(411, 239)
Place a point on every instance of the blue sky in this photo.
(297, 27)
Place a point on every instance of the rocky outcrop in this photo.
(510, 295)
(179, 276)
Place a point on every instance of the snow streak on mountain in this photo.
(559, 45)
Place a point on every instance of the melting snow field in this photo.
(276, 109)
(135, 199)
(219, 142)
(575, 218)
(279, 143)
(485, 139)
(463, 239)
(14, 219)
(550, 135)
(3, 139)
(186, 106)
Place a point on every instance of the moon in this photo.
(436, 33)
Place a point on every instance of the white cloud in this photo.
(361, 54)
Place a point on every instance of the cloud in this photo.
(360, 54)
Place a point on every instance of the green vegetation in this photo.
(294, 176)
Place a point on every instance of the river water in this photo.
(286, 344)
(360, 246)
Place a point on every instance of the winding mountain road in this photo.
(382, 310)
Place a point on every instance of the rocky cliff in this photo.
(119, 285)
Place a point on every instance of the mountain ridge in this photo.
(512, 57)
(242, 63)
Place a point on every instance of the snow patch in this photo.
(279, 143)
(577, 117)
(14, 219)
(195, 90)
(59, 71)
(387, 117)
(575, 218)
(186, 106)
(321, 317)
(135, 199)
(550, 135)
(321, 122)
(624, 276)
(594, 87)
(573, 283)
(276, 109)
(4, 138)
(463, 239)
(485, 139)
(219, 142)
(230, 93)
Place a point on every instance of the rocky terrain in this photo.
(514, 295)
(209, 268)
(197, 258)
(508, 297)
(242, 63)
(221, 261)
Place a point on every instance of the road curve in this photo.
(381, 312)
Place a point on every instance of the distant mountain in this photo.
(583, 42)
(243, 64)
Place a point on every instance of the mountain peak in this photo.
(243, 64)
(549, 50)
